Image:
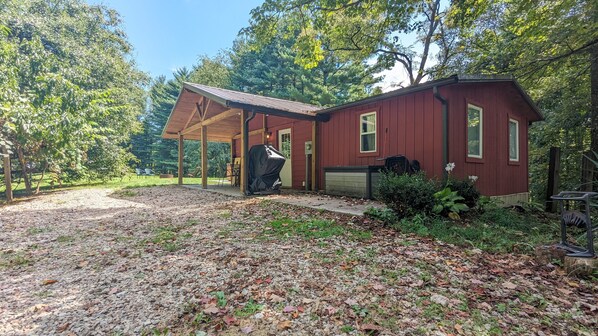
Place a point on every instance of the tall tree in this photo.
(71, 87)
(552, 48)
(271, 70)
(394, 31)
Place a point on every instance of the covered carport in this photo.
(212, 114)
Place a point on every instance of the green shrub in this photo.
(385, 215)
(449, 203)
(465, 189)
(406, 195)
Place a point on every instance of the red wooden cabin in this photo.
(478, 123)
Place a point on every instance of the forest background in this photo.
(74, 105)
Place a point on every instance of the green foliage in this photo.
(494, 230)
(249, 309)
(67, 86)
(385, 215)
(465, 189)
(314, 229)
(448, 202)
(354, 30)
(405, 194)
(271, 71)
(549, 46)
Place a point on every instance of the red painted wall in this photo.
(497, 174)
(411, 125)
(300, 133)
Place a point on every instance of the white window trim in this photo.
(361, 133)
(481, 110)
(516, 159)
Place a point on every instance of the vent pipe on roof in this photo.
(444, 102)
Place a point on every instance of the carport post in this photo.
(244, 146)
(204, 157)
(181, 153)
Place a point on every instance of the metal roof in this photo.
(237, 99)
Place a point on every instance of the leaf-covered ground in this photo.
(172, 260)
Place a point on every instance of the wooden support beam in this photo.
(265, 129)
(196, 110)
(207, 103)
(254, 132)
(7, 174)
(244, 147)
(181, 154)
(221, 116)
(314, 156)
(204, 157)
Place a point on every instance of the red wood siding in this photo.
(300, 133)
(496, 174)
(412, 125)
(408, 125)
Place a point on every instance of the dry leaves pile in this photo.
(169, 259)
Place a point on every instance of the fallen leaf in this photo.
(300, 309)
(509, 285)
(247, 329)
(459, 328)
(351, 302)
(211, 310)
(284, 325)
(229, 320)
(379, 287)
(62, 327)
(49, 282)
(276, 298)
(371, 327)
(289, 309)
(564, 291)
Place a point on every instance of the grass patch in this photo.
(494, 230)
(168, 238)
(65, 239)
(128, 182)
(249, 309)
(14, 259)
(314, 229)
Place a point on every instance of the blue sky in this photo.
(171, 34)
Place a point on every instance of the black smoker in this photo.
(265, 164)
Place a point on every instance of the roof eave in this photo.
(394, 93)
(276, 112)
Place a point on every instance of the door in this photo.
(284, 146)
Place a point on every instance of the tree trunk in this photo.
(594, 92)
(24, 170)
(39, 182)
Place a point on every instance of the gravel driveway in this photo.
(170, 260)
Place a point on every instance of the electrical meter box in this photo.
(308, 147)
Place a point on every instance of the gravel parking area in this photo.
(171, 260)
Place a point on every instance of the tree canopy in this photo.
(71, 92)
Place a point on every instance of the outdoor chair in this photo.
(138, 171)
(148, 172)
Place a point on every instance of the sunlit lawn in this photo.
(130, 181)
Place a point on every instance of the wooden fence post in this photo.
(554, 168)
(7, 173)
(587, 172)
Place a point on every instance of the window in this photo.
(513, 140)
(474, 131)
(367, 132)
